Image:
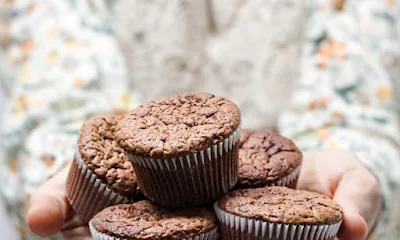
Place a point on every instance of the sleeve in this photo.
(71, 69)
(348, 92)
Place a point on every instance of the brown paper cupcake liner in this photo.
(290, 180)
(235, 227)
(86, 193)
(190, 180)
(212, 235)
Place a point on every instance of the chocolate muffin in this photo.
(183, 147)
(267, 159)
(278, 213)
(101, 174)
(145, 220)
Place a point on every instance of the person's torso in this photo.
(248, 51)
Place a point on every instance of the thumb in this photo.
(359, 215)
(354, 226)
(49, 207)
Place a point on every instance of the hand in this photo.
(51, 213)
(335, 173)
(339, 175)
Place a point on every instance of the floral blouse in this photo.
(325, 73)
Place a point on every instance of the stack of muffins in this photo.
(200, 175)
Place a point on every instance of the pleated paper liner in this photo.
(290, 180)
(235, 227)
(86, 193)
(191, 180)
(212, 235)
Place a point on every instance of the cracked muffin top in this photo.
(145, 220)
(282, 205)
(102, 155)
(265, 157)
(177, 125)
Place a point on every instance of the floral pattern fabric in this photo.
(63, 61)
(349, 95)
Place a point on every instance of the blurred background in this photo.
(5, 226)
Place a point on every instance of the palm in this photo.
(339, 175)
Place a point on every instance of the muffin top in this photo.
(102, 155)
(265, 157)
(282, 205)
(144, 220)
(177, 125)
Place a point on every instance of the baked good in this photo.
(101, 174)
(267, 159)
(145, 220)
(183, 147)
(277, 213)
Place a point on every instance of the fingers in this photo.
(49, 208)
(339, 175)
(79, 233)
(322, 170)
(73, 222)
(358, 194)
(354, 226)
